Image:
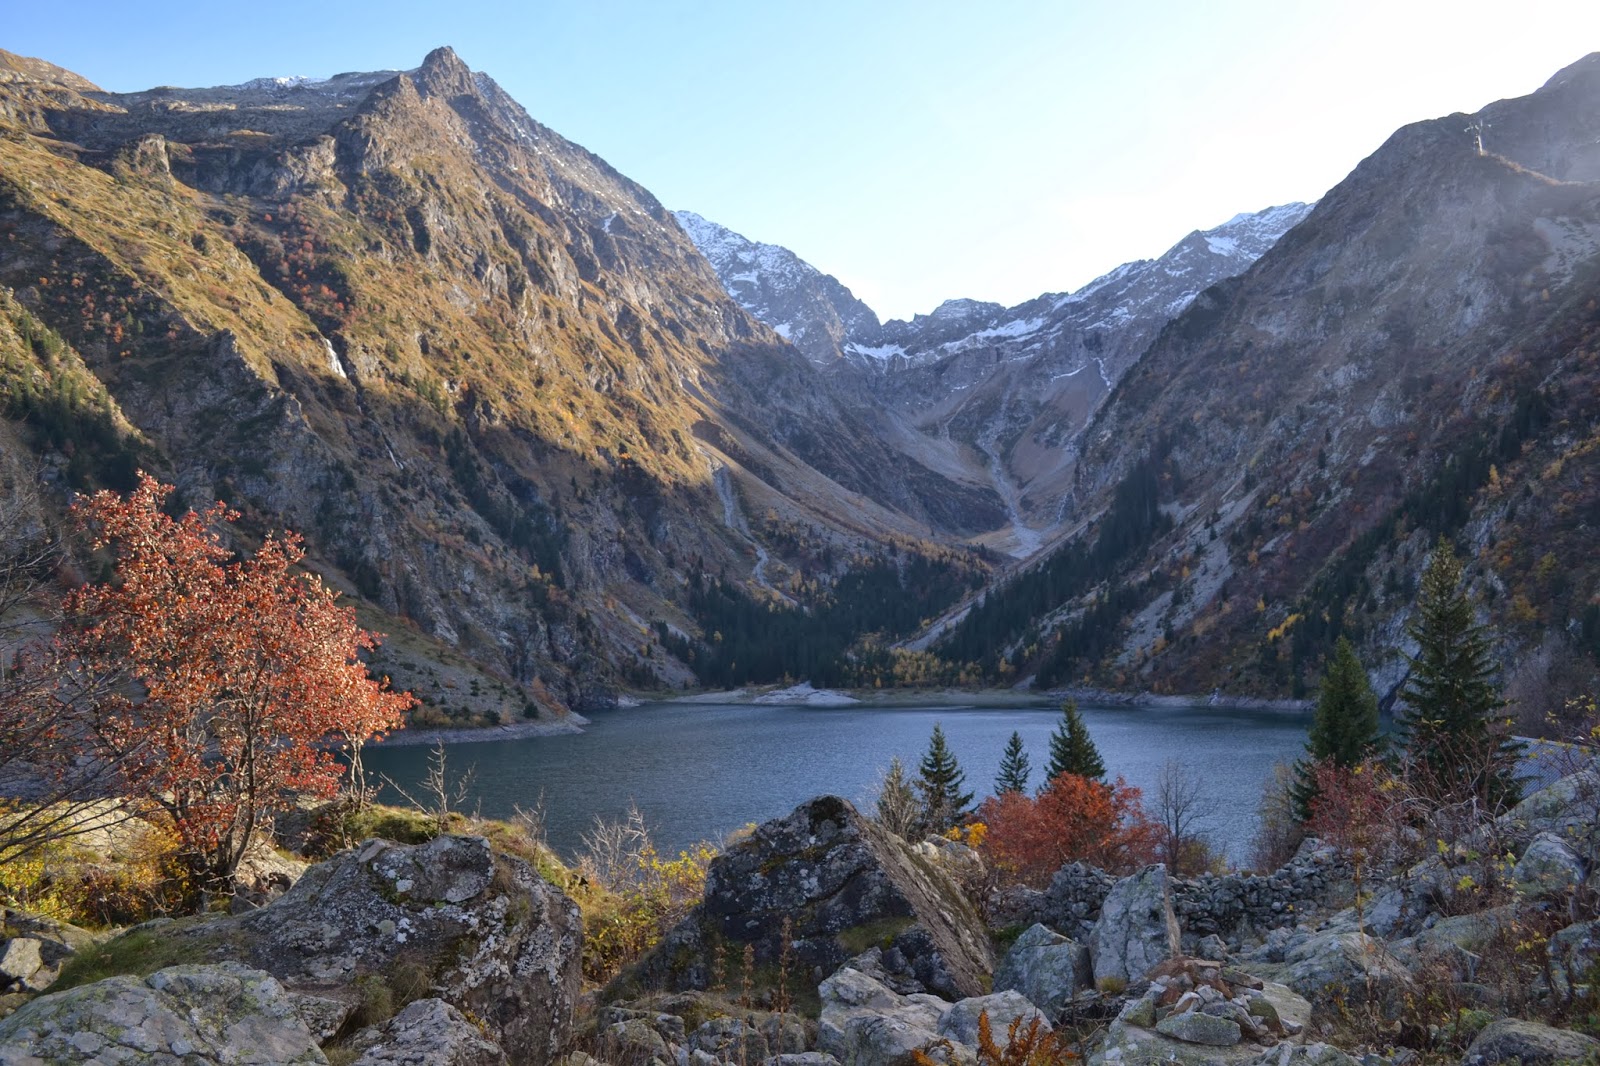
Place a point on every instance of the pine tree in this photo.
(939, 784)
(1344, 729)
(1014, 768)
(1072, 750)
(898, 809)
(1455, 743)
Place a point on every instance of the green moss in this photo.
(879, 934)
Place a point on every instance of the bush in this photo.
(1074, 819)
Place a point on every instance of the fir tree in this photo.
(1014, 768)
(1344, 730)
(1456, 745)
(939, 784)
(1072, 750)
(898, 809)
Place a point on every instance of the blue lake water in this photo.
(700, 771)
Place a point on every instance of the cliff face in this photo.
(490, 378)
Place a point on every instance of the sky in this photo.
(918, 150)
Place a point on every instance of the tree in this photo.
(1014, 768)
(898, 809)
(1072, 750)
(235, 675)
(939, 783)
(1178, 812)
(1456, 743)
(1344, 728)
(1073, 818)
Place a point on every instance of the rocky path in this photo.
(733, 518)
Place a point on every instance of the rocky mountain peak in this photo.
(444, 74)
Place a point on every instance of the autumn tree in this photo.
(235, 674)
(1072, 750)
(1178, 814)
(1074, 818)
(1344, 728)
(1457, 742)
(1014, 767)
(939, 783)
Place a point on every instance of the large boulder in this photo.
(1332, 969)
(33, 949)
(864, 1023)
(1137, 928)
(960, 1023)
(1047, 968)
(217, 1015)
(1549, 867)
(816, 888)
(428, 1032)
(1573, 952)
(450, 919)
(1530, 1044)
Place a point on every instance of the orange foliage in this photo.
(1073, 818)
(230, 677)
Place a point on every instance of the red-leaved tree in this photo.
(1073, 819)
(235, 675)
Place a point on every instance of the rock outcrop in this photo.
(1512, 1040)
(1137, 929)
(428, 1032)
(829, 883)
(1046, 967)
(450, 919)
(215, 1015)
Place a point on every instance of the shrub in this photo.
(1073, 819)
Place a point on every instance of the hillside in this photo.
(489, 378)
(1416, 358)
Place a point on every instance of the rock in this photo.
(1287, 1054)
(1047, 968)
(1212, 946)
(449, 919)
(19, 962)
(865, 1024)
(224, 1014)
(1573, 950)
(428, 1032)
(1335, 967)
(634, 1039)
(1567, 808)
(1128, 1045)
(806, 1058)
(1528, 1043)
(842, 885)
(1194, 1027)
(56, 943)
(1549, 867)
(956, 859)
(960, 1022)
(1073, 901)
(1136, 929)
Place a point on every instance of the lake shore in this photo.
(541, 727)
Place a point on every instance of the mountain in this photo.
(804, 306)
(1416, 358)
(490, 378)
(998, 394)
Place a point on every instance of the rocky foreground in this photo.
(823, 940)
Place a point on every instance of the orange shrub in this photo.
(1072, 819)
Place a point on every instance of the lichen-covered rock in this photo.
(33, 949)
(449, 919)
(864, 1023)
(1195, 1027)
(1573, 952)
(1130, 1045)
(1341, 967)
(1137, 928)
(20, 961)
(428, 1032)
(1287, 1054)
(960, 1022)
(1045, 967)
(839, 884)
(1528, 1043)
(1549, 867)
(216, 1015)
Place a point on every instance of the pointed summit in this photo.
(444, 74)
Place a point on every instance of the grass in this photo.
(139, 952)
(879, 934)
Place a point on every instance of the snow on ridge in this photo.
(882, 352)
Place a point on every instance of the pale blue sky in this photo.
(917, 150)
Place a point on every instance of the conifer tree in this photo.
(1456, 744)
(939, 783)
(898, 809)
(1014, 768)
(1344, 729)
(1072, 750)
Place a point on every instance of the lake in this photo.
(700, 771)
